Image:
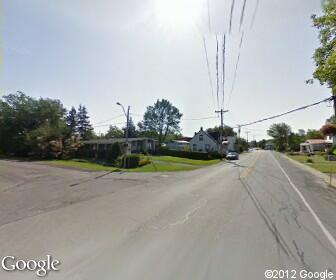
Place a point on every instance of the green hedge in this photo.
(189, 154)
(129, 161)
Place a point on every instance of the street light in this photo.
(127, 122)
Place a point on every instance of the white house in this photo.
(313, 145)
(209, 142)
(203, 142)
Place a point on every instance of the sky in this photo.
(97, 53)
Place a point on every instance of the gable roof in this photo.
(205, 133)
(316, 141)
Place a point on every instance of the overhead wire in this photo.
(223, 70)
(209, 71)
(231, 15)
(217, 72)
(115, 117)
(254, 14)
(236, 68)
(242, 15)
(289, 112)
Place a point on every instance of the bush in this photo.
(129, 161)
(144, 161)
(191, 155)
(113, 152)
(309, 160)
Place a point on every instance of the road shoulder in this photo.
(326, 178)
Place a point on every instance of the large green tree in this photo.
(162, 119)
(84, 127)
(280, 133)
(72, 121)
(325, 55)
(132, 130)
(227, 130)
(114, 132)
(27, 125)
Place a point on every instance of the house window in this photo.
(200, 138)
(207, 147)
(194, 147)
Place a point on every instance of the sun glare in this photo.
(177, 14)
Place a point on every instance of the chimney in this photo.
(201, 128)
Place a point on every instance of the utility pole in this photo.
(334, 102)
(221, 111)
(247, 133)
(238, 143)
(127, 125)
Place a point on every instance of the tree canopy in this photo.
(114, 132)
(36, 127)
(227, 130)
(325, 55)
(328, 129)
(161, 119)
(280, 133)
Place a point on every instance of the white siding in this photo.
(202, 142)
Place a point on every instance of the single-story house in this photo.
(206, 142)
(135, 145)
(314, 145)
(179, 145)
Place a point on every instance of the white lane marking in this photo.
(317, 219)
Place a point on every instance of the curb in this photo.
(329, 180)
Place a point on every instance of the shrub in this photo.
(144, 161)
(309, 160)
(129, 161)
(189, 154)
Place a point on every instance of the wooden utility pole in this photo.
(221, 131)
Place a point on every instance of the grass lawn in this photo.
(318, 163)
(185, 160)
(159, 164)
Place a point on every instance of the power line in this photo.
(197, 119)
(223, 70)
(242, 15)
(254, 14)
(209, 72)
(115, 117)
(236, 68)
(288, 112)
(108, 124)
(217, 73)
(231, 15)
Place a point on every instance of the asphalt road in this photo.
(229, 221)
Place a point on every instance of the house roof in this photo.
(180, 141)
(316, 141)
(185, 139)
(206, 133)
(113, 140)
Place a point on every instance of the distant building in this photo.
(269, 146)
(136, 145)
(206, 142)
(178, 145)
(315, 145)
